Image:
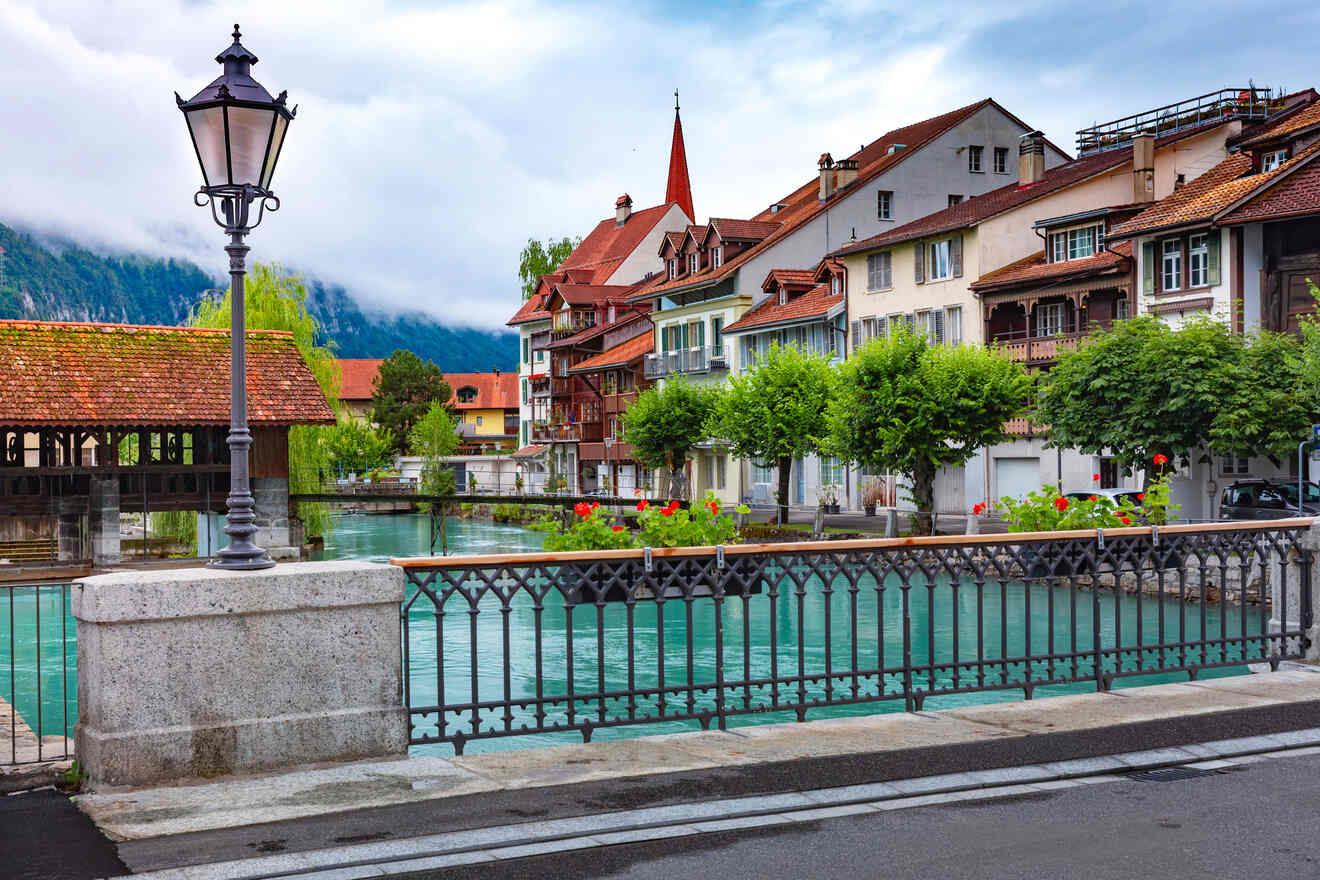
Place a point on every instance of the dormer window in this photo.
(1273, 159)
(1075, 244)
(716, 257)
(673, 269)
(467, 394)
(693, 263)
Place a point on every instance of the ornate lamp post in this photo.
(237, 130)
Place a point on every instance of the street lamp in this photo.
(237, 130)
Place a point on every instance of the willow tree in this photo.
(277, 300)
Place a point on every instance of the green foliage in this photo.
(1142, 388)
(698, 526)
(355, 447)
(775, 412)
(406, 389)
(1046, 511)
(539, 259)
(180, 525)
(433, 438)
(592, 529)
(276, 300)
(903, 406)
(664, 424)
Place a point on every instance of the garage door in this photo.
(1015, 477)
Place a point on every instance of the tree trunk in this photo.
(781, 495)
(923, 493)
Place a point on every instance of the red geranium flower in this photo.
(643, 504)
(1061, 504)
(1095, 478)
(618, 528)
(1125, 521)
(1141, 496)
(1160, 459)
(977, 508)
(582, 510)
(595, 504)
(715, 508)
(666, 511)
(673, 506)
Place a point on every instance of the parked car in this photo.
(1115, 496)
(1267, 499)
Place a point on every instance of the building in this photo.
(1240, 243)
(357, 382)
(102, 419)
(1029, 266)
(578, 311)
(714, 273)
(613, 379)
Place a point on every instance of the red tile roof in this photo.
(620, 355)
(121, 374)
(529, 451)
(1308, 115)
(815, 303)
(532, 309)
(789, 277)
(1290, 195)
(743, 230)
(803, 203)
(494, 390)
(1033, 269)
(357, 377)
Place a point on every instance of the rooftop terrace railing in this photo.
(503, 646)
(1248, 103)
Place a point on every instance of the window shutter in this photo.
(938, 316)
(919, 262)
(886, 275)
(857, 340)
(701, 335)
(882, 326)
(1148, 267)
(872, 264)
(1212, 257)
(955, 255)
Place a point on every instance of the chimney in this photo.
(1031, 158)
(826, 165)
(622, 209)
(847, 172)
(1143, 167)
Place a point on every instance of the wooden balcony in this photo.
(576, 433)
(617, 403)
(1036, 349)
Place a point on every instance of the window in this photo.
(696, 335)
(1198, 253)
(611, 315)
(478, 420)
(673, 268)
(1081, 242)
(1171, 273)
(540, 355)
(467, 394)
(1231, 464)
(717, 336)
(716, 257)
(938, 265)
(1050, 318)
(1001, 160)
(1059, 247)
(1122, 309)
(692, 263)
(834, 285)
(721, 470)
(954, 199)
(974, 158)
(762, 474)
(610, 383)
(1270, 161)
(953, 325)
(884, 203)
(831, 471)
(879, 271)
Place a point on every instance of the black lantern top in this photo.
(237, 128)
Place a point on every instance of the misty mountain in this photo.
(50, 282)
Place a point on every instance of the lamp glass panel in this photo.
(268, 170)
(249, 132)
(208, 130)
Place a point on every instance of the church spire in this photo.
(679, 190)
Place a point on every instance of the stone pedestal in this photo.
(103, 520)
(202, 673)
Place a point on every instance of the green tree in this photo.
(277, 300)
(1142, 388)
(903, 406)
(356, 447)
(432, 438)
(406, 387)
(539, 259)
(664, 424)
(775, 412)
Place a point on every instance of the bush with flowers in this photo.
(667, 526)
(1047, 511)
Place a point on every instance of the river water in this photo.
(379, 537)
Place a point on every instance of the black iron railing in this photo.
(38, 673)
(511, 645)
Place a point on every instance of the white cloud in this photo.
(431, 141)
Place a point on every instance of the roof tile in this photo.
(815, 303)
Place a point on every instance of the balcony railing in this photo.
(1224, 104)
(1031, 349)
(575, 433)
(685, 360)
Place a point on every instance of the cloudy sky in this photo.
(433, 139)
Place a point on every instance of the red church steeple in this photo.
(679, 189)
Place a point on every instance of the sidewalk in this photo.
(347, 812)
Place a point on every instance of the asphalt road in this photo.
(1258, 820)
(44, 837)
